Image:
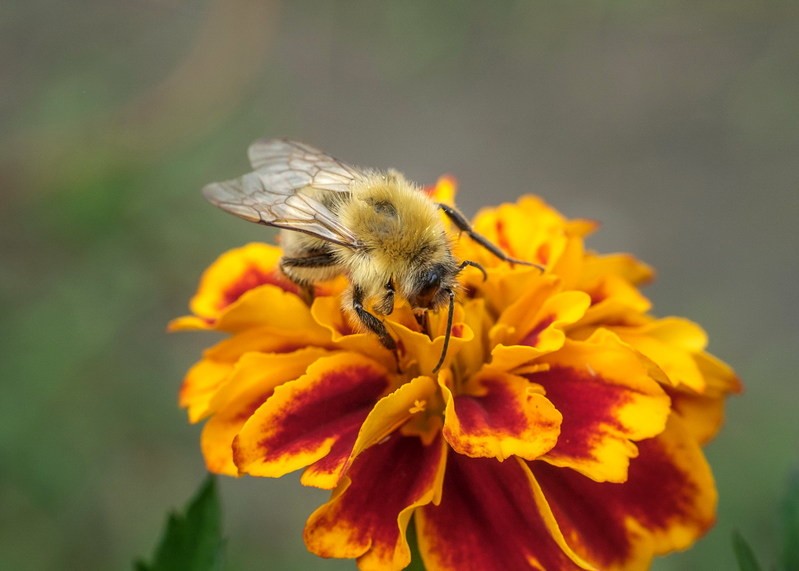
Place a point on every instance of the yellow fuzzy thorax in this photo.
(397, 224)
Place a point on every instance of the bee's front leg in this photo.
(386, 304)
(370, 321)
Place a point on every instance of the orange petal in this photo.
(668, 501)
(190, 323)
(326, 312)
(268, 306)
(261, 340)
(317, 415)
(533, 326)
(390, 412)
(613, 299)
(206, 377)
(529, 230)
(720, 379)
(200, 384)
(505, 285)
(369, 513)
(249, 385)
(244, 288)
(625, 266)
(416, 348)
(608, 399)
(501, 415)
(703, 414)
(444, 190)
(236, 272)
(394, 410)
(569, 266)
(492, 516)
(670, 342)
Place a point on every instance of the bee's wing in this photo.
(290, 164)
(271, 194)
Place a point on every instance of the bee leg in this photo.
(463, 225)
(370, 321)
(293, 267)
(373, 323)
(386, 304)
(323, 260)
(307, 293)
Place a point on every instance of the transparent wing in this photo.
(290, 165)
(273, 193)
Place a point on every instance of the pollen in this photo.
(534, 368)
(535, 390)
(418, 406)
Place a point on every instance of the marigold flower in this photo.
(562, 432)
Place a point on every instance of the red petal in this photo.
(307, 419)
(250, 384)
(250, 278)
(504, 416)
(368, 514)
(608, 401)
(668, 501)
(489, 518)
(236, 272)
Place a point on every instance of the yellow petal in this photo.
(250, 384)
(671, 343)
(235, 272)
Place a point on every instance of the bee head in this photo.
(432, 286)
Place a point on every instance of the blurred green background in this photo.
(674, 123)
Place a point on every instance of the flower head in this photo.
(562, 432)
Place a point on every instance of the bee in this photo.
(381, 231)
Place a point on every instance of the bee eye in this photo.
(430, 282)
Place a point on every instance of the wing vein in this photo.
(286, 190)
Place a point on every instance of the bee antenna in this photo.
(466, 263)
(462, 224)
(448, 333)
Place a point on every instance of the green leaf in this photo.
(790, 524)
(744, 554)
(413, 542)
(191, 542)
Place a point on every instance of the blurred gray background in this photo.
(676, 124)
